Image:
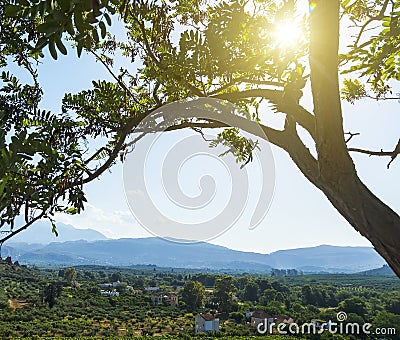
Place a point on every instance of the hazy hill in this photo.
(125, 252)
(330, 257)
(385, 270)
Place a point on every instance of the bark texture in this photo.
(337, 176)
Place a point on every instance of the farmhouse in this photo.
(260, 317)
(206, 323)
(170, 299)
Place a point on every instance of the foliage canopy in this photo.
(187, 49)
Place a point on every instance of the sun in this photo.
(287, 34)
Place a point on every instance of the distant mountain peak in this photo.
(40, 232)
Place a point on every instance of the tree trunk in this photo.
(337, 176)
(369, 216)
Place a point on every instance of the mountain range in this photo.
(86, 246)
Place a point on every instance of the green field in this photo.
(78, 311)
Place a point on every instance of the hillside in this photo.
(385, 270)
(125, 252)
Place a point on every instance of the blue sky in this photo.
(299, 215)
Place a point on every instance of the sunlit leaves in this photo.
(376, 56)
(359, 9)
(83, 20)
(353, 90)
(240, 147)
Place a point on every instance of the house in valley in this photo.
(259, 317)
(206, 323)
(168, 299)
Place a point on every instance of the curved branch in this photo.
(286, 139)
(246, 80)
(299, 113)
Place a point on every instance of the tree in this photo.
(51, 293)
(237, 316)
(70, 274)
(114, 277)
(224, 289)
(354, 305)
(250, 292)
(43, 167)
(388, 321)
(228, 52)
(193, 294)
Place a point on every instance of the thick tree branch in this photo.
(97, 153)
(301, 115)
(287, 139)
(240, 80)
(334, 160)
(115, 151)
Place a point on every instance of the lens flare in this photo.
(312, 6)
(287, 34)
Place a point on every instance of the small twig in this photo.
(200, 131)
(97, 153)
(380, 16)
(351, 135)
(393, 154)
(118, 79)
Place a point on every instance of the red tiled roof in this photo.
(207, 316)
(282, 319)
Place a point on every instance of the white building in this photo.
(109, 293)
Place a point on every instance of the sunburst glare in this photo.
(287, 34)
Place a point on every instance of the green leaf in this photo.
(42, 42)
(54, 229)
(80, 47)
(70, 27)
(64, 4)
(61, 46)
(108, 19)
(59, 16)
(72, 211)
(103, 29)
(78, 19)
(48, 27)
(95, 35)
(23, 2)
(52, 49)
(12, 10)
